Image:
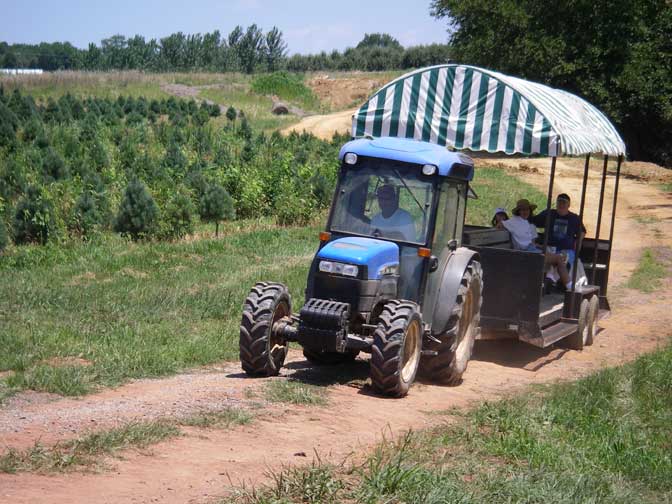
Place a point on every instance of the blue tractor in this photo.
(388, 278)
(391, 276)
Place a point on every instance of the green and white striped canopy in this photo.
(472, 108)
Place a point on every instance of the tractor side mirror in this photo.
(452, 245)
(433, 263)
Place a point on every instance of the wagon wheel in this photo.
(584, 329)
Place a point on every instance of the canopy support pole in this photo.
(578, 246)
(613, 221)
(599, 219)
(549, 199)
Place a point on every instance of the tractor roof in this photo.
(449, 164)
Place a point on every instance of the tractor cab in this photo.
(390, 194)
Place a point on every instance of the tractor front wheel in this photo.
(263, 353)
(397, 344)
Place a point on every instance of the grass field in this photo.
(605, 438)
(83, 315)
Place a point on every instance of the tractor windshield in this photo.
(384, 199)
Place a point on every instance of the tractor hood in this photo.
(374, 254)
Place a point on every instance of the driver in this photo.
(392, 220)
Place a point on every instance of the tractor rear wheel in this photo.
(453, 348)
(397, 344)
(263, 353)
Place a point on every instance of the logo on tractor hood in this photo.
(369, 252)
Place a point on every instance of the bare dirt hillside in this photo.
(204, 464)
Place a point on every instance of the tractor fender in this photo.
(451, 277)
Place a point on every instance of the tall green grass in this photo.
(135, 310)
(605, 438)
(650, 272)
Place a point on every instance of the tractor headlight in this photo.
(351, 158)
(390, 269)
(429, 169)
(338, 268)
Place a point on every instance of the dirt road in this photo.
(204, 464)
(324, 126)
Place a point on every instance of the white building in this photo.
(18, 71)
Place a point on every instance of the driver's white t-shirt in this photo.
(400, 221)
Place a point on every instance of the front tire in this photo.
(261, 352)
(397, 344)
(454, 348)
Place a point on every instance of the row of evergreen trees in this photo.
(148, 168)
(245, 50)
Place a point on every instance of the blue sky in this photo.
(309, 26)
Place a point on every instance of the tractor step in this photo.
(552, 334)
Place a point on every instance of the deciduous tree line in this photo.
(245, 50)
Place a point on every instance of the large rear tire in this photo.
(261, 352)
(397, 344)
(454, 348)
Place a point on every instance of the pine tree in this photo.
(216, 205)
(138, 212)
(231, 114)
(177, 216)
(4, 240)
(88, 215)
(34, 218)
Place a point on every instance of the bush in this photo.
(4, 240)
(285, 85)
(34, 218)
(293, 207)
(138, 212)
(53, 166)
(89, 214)
(216, 205)
(177, 218)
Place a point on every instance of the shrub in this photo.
(4, 240)
(285, 85)
(231, 114)
(177, 217)
(53, 167)
(216, 205)
(89, 214)
(137, 212)
(34, 218)
(294, 205)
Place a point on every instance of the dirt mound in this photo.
(344, 92)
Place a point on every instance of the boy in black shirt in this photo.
(566, 228)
